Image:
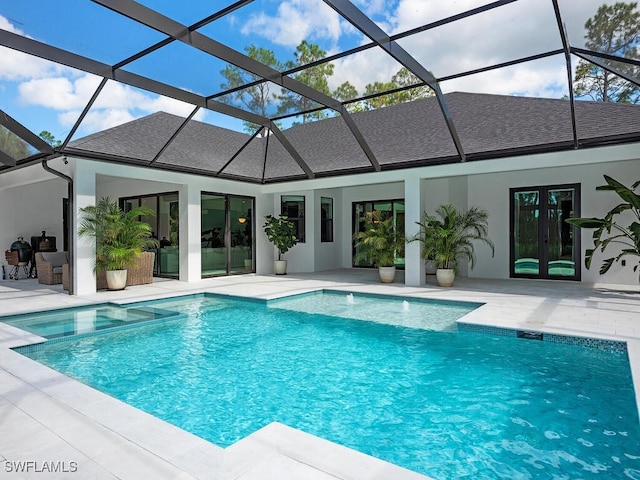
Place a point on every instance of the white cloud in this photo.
(294, 21)
(15, 65)
(523, 28)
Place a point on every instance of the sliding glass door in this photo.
(226, 234)
(543, 245)
(165, 224)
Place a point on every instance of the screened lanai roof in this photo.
(270, 90)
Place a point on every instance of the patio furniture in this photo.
(12, 258)
(65, 276)
(49, 267)
(139, 274)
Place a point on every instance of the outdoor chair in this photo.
(49, 267)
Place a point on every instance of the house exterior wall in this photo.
(36, 196)
(492, 193)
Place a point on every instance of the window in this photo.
(326, 219)
(386, 209)
(293, 208)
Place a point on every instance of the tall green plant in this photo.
(380, 241)
(120, 237)
(449, 235)
(609, 230)
(281, 232)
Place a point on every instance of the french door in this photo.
(542, 244)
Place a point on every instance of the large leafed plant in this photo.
(620, 227)
(281, 232)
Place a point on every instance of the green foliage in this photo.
(257, 97)
(13, 145)
(315, 77)
(119, 237)
(449, 235)
(609, 230)
(379, 99)
(281, 232)
(345, 92)
(49, 138)
(380, 240)
(612, 30)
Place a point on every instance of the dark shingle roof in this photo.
(409, 134)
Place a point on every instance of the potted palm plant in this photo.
(120, 237)
(282, 233)
(448, 235)
(379, 243)
(609, 230)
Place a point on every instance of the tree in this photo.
(404, 78)
(614, 30)
(314, 77)
(49, 138)
(257, 98)
(13, 145)
(401, 79)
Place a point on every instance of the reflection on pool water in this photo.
(446, 403)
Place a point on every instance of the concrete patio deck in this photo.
(83, 433)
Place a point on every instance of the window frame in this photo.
(326, 223)
(299, 221)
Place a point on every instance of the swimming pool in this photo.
(443, 402)
(84, 320)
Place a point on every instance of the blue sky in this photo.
(43, 96)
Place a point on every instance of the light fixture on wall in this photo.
(242, 218)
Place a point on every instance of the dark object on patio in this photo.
(42, 243)
(23, 249)
(12, 257)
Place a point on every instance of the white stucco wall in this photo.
(35, 197)
(30, 209)
(492, 193)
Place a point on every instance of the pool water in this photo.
(446, 403)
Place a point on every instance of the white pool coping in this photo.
(47, 417)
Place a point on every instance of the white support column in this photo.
(414, 270)
(190, 225)
(84, 191)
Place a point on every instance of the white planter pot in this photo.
(445, 277)
(116, 279)
(280, 267)
(387, 274)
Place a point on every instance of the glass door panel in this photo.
(526, 231)
(241, 228)
(213, 233)
(165, 225)
(560, 248)
(168, 233)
